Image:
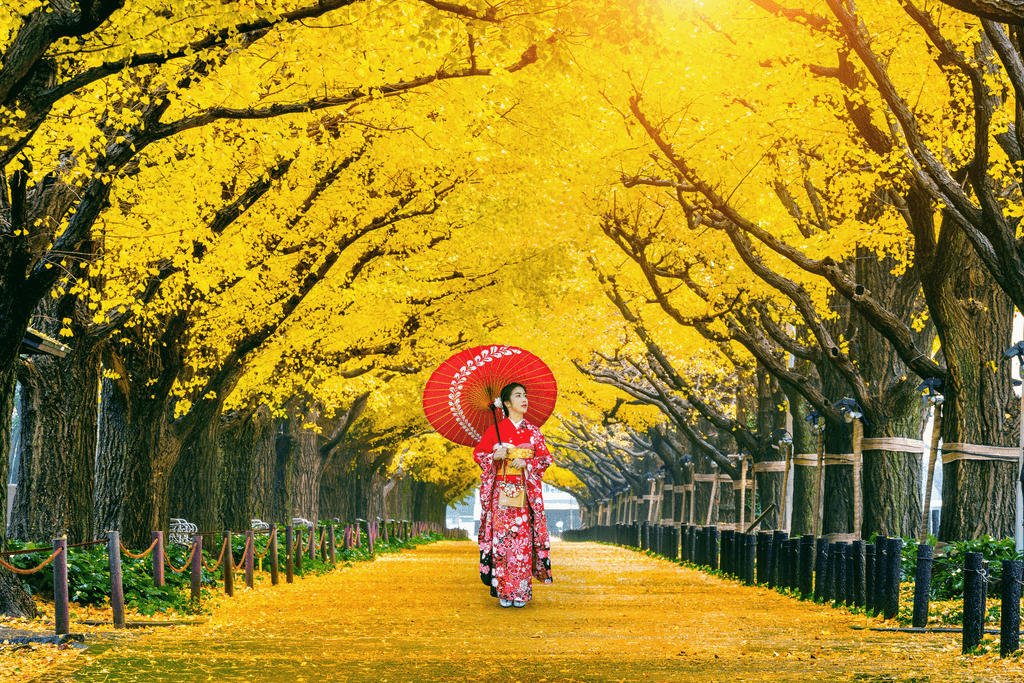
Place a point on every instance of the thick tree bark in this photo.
(15, 601)
(195, 481)
(246, 441)
(56, 479)
(974, 319)
(308, 467)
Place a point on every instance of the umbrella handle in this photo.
(497, 431)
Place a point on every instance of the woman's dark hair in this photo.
(506, 395)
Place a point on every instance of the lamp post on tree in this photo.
(1017, 350)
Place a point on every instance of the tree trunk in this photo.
(15, 601)
(56, 479)
(196, 478)
(246, 444)
(974, 320)
(308, 467)
(138, 448)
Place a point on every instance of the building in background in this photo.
(561, 509)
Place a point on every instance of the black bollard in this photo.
(713, 547)
(893, 557)
(726, 563)
(764, 554)
(1009, 620)
(739, 557)
(922, 585)
(703, 541)
(857, 575)
(974, 601)
(881, 564)
(794, 563)
(776, 561)
(829, 589)
(645, 536)
(820, 554)
(806, 579)
(636, 535)
(839, 596)
(691, 543)
(749, 559)
(785, 562)
(869, 578)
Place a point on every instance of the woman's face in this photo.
(517, 401)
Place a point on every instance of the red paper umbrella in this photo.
(459, 395)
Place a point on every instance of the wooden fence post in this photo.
(197, 566)
(272, 552)
(250, 551)
(228, 566)
(289, 543)
(61, 609)
(158, 558)
(116, 581)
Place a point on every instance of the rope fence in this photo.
(836, 572)
(399, 530)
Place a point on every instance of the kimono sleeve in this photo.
(541, 455)
(483, 450)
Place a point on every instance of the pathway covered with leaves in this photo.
(612, 615)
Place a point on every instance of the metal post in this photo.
(333, 547)
(158, 559)
(300, 551)
(116, 580)
(61, 609)
(196, 578)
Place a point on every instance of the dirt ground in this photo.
(611, 615)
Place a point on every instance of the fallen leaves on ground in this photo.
(612, 615)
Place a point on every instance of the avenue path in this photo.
(612, 615)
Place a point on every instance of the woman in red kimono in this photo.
(514, 542)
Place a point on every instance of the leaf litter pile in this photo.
(612, 615)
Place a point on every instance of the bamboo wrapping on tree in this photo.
(926, 511)
(711, 501)
(817, 496)
(858, 466)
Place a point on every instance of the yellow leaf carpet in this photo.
(611, 615)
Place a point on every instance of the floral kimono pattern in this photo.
(514, 543)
